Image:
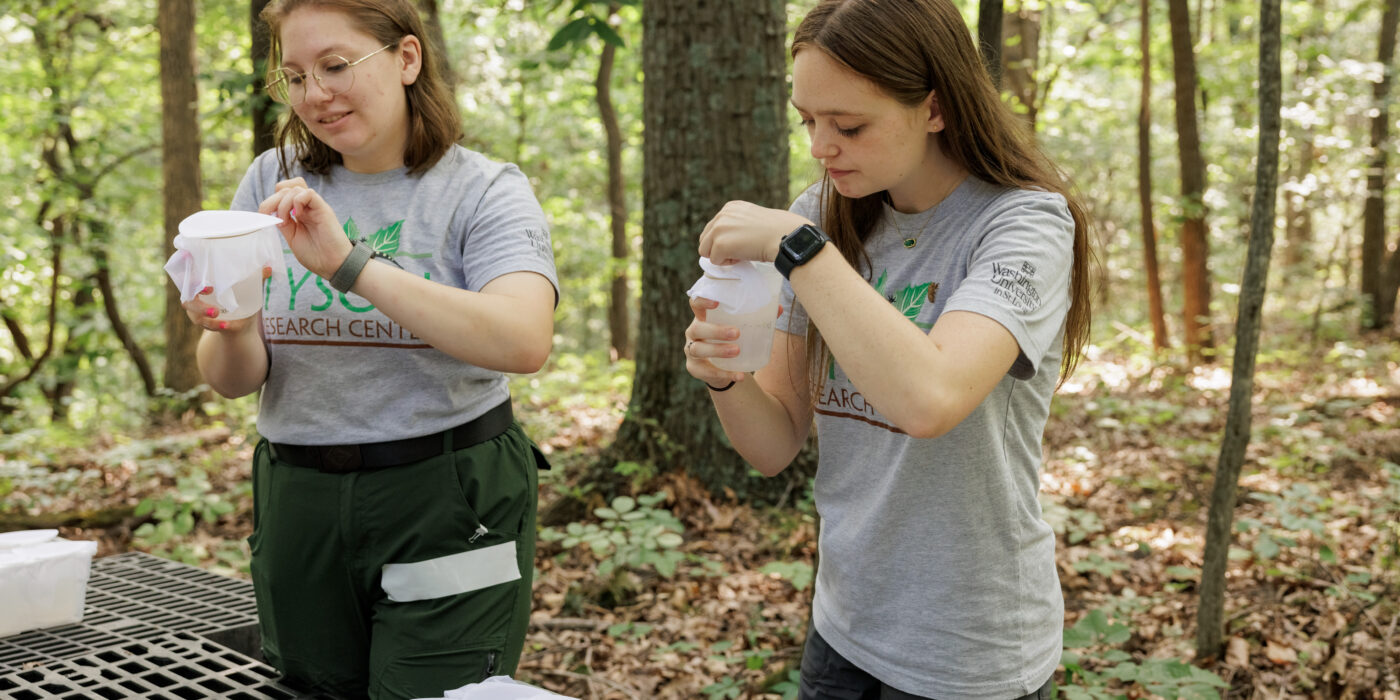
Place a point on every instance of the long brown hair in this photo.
(909, 48)
(434, 123)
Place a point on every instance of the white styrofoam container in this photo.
(43, 580)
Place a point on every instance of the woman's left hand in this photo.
(311, 228)
(746, 231)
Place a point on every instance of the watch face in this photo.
(799, 247)
(804, 243)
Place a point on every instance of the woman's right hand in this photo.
(207, 317)
(704, 341)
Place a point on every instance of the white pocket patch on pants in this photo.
(452, 574)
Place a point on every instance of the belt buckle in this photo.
(341, 458)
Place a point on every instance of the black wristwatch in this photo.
(799, 247)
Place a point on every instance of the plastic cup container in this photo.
(755, 337)
(248, 298)
(236, 244)
(755, 326)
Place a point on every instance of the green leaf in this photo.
(606, 33)
(910, 300)
(670, 540)
(574, 32)
(1183, 573)
(385, 241)
(1266, 547)
(352, 229)
(624, 504)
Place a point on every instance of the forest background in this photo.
(666, 569)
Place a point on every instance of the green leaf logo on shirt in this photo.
(385, 241)
(910, 300)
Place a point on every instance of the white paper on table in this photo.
(500, 688)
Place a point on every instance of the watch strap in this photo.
(349, 271)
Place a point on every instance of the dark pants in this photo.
(401, 582)
(826, 675)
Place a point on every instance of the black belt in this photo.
(340, 459)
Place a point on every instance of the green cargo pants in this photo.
(401, 582)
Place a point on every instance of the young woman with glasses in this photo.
(394, 494)
(938, 286)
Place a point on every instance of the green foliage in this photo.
(1074, 524)
(726, 687)
(1294, 514)
(790, 686)
(173, 516)
(633, 534)
(1125, 677)
(799, 573)
(632, 629)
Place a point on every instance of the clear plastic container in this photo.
(43, 580)
(756, 326)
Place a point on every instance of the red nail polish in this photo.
(211, 312)
(223, 325)
(206, 290)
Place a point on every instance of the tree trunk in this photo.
(989, 39)
(619, 323)
(714, 110)
(1297, 207)
(102, 276)
(264, 114)
(1210, 616)
(1195, 249)
(180, 173)
(58, 228)
(432, 22)
(1149, 226)
(1377, 293)
(1020, 60)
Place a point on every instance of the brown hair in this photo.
(909, 48)
(434, 123)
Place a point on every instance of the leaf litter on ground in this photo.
(1130, 449)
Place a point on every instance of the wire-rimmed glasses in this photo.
(333, 73)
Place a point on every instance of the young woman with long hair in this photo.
(938, 290)
(394, 493)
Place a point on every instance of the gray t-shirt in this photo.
(341, 371)
(937, 570)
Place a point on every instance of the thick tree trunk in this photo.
(1210, 615)
(619, 298)
(264, 114)
(714, 108)
(1378, 292)
(1149, 226)
(180, 173)
(1195, 249)
(989, 37)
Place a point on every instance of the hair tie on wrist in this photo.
(726, 387)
